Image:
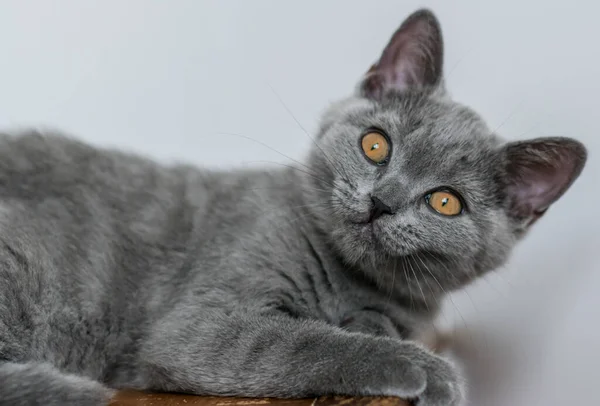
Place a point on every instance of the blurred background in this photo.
(163, 78)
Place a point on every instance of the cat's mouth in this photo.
(368, 229)
(374, 234)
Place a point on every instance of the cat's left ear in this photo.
(536, 173)
(412, 60)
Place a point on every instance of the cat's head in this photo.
(407, 178)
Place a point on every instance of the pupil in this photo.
(444, 201)
(375, 146)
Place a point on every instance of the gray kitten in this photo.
(117, 272)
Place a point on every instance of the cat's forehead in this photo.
(422, 123)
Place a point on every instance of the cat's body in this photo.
(112, 246)
(283, 282)
(133, 239)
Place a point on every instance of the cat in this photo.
(317, 279)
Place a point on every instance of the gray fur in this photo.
(117, 270)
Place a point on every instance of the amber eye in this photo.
(376, 147)
(444, 202)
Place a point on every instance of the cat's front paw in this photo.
(445, 387)
(421, 376)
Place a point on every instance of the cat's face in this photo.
(408, 178)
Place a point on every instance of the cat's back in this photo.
(101, 222)
(93, 242)
(36, 166)
(81, 224)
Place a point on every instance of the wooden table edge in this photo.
(136, 398)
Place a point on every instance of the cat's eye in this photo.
(376, 147)
(445, 202)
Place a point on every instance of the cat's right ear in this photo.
(412, 60)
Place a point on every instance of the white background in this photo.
(164, 77)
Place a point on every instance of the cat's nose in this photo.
(379, 209)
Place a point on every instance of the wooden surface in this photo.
(132, 398)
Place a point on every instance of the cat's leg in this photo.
(276, 355)
(34, 384)
(375, 323)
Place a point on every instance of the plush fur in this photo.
(117, 272)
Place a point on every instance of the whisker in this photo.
(290, 221)
(455, 307)
(285, 211)
(407, 282)
(280, 187)
(266, 146)
(304, 129)
(393, 282)
(510, 115)
(461, 59)
(295, 168)
(418, 284)
(492, 286)
(425, 279)
(530, 129)
(432, 293)
(506, 280)
(273, 214)
(438, 283)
